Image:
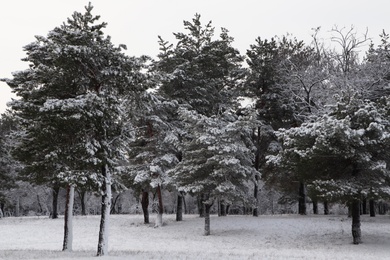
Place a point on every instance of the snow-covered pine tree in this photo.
(376, 70)
(288, 79)
(154, 150)
(74, 102)
(343, 155)
(199, 70)
(217, 158)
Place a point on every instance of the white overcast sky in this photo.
(137, 23)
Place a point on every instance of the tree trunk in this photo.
(207, 219)
(105, 213)
(68, 219)
(1, 210)
(223, 209)
(201, 206)
(364, 206)
(382, 208)
(356, 232)
(145, 205)
(113, 205)
(184, 203)
(56, 191)
(326, 207)
(302, 199)
(257, 167)
(160, 208)
(219, 207)
(83, 195)
(179, 208)
(255, 195)
(315, 207)
(227, 209)
(372, 207)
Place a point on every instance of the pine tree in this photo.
(74, 102)
(287, 79)
(375, 72)
(343, 155)
(217, 160)
(199, 70)
(154, 149)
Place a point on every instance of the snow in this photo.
(232, 237)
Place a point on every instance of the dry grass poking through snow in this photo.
(233, 237)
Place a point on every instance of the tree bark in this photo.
(372, 207)
(221, 208)
(207, 220)
(201, 206)
(364, 206)
(227, 209)
(68, 219)
(356, 232)
(382, 208)
(179, 208)
(257, 177)
(83, 195)
(56, 191)
(326, 207)
(160, 208)
(184, 204)
(105, 213)
(315, 207)
(145, 205)
(255, 195)
(113, 205)
(302, 199)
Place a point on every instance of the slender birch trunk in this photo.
(105, 214)
(68, 219)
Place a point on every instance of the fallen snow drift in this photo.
(232, 237)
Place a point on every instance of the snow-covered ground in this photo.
(232, 237)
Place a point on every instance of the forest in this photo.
(201, 127)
